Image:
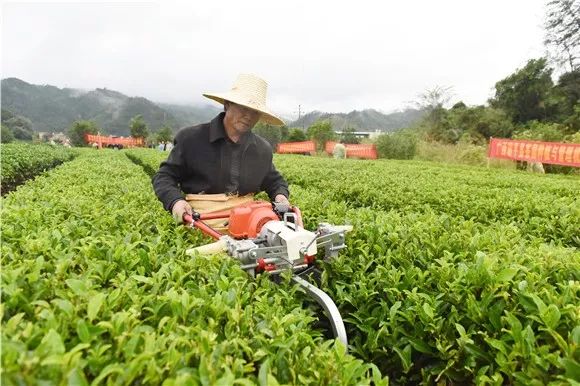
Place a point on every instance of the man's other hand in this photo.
(180, 208)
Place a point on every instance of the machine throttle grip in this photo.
(187, 218)
(281, 207)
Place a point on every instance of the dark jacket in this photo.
(196, 165)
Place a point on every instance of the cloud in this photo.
(334, 56)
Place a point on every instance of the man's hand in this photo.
(180, 208)
(282, 199)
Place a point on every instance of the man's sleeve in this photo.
(275, 184)
(166, 183)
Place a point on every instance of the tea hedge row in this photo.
(435, 298)
(97, 289)
(22, 161)
(544, 206)
(541, 206)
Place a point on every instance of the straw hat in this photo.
(249, 91)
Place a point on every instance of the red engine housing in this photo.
(246, 221)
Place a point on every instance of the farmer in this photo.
(221, 164)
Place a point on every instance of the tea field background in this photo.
(452, 275)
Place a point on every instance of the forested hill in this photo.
(364, 120)
(50, 108)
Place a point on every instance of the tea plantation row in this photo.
(434, 291)
(22, 161)
(97, 289)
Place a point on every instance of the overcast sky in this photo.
(333, 56)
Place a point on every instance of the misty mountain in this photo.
(50, 108)
(364, 120)
(53, 109)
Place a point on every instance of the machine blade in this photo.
(329, 307)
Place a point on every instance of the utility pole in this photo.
(300, 116)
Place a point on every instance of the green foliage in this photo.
(20, 126)
(473, 155)
(525, 95)
(476, 123)
(347, 136)
(138, 127)
(549, 132)
(77, 132)
(7, 134)
(573, 121)
(104, 293)
(164, 134)
(539, 131)
(22, 161)
(492, 123)
(482, 195)
(399, 145)
(273, 134)
(321, 132)
(456, 154)
(563, 31)
(296, 134)
(573, 138)
(567, 96)
(452, 275)
(464, 303)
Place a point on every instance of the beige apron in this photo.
(209, 203)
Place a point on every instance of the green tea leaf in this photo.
(551, 316)
(506, 274)
(76, 377)
(51, 344)
(263, 373)
(95, 303)
(79, 287)
(83, 331)
(428, 310)
(572, 368)
(405, 356)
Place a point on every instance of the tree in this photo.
(321, 132)
(296, 134)
(78, 130)
(563, 31)
(434, 98)
(6, 135)
(348, 136)
(566, 95)
(138, 127)
(432, 101)
(479, 123)
(525, 95)
(21, 127)
(272, 134)
(401, 145)
(164, 134)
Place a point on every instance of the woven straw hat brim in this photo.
(265, 115)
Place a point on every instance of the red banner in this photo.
(101, 140)
(367, 151)
(535, 151)
(296, 147)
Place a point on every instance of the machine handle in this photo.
(187, 218)
(298, 216)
